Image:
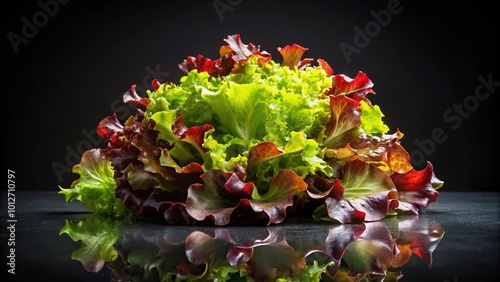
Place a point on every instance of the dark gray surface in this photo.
(468, 251)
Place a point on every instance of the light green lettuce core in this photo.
(264, 103)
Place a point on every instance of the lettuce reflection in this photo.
(290, 252)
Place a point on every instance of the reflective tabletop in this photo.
(47, 239)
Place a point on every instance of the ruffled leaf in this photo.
(344, 122)
(274, 202)
(241, 108)
(263, 152)
(218, 196)
(355, 88)
(131, 96)
(242, 51)
(415, 189)
(384, 151)
(371, 119)
(364, 193)
(292, 55)
(95, 186)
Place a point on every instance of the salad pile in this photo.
(243, 139)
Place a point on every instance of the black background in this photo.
(72, 70)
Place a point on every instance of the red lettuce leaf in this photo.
(384, 151)
(363, 193)
(344, 122)
(231, 58)
(356, 88)
(242, 51)
(341, 211)
(416, 189)
(131, 96)
(201, 64)
(325, 66)
(275, 201)
(292, 55)
(109, 128)
(120, 151)
(218, 196)
(262, 152)
(194, 135)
